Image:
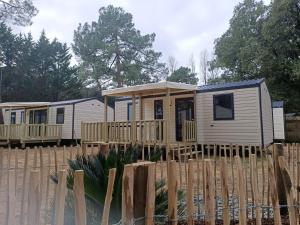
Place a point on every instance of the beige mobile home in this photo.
(278, 120)
(49, 121)
(168, 113)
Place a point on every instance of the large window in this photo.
(13, 118)
(223, 107)
(129, 111)
(158, 110)
(60, 115)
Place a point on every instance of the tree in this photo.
(263, 41)
(17, 12)
(112, 51)
(192, 64)
(183, 75)
(172, 64)
(204, 65)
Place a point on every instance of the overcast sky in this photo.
(182, 27)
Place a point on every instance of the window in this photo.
(158, 110)
(40, 116)
(13, 118)
(129, 111)
(22, 117)
(60, 115)
(223, 107)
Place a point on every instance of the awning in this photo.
(150, 89)
(23, 105)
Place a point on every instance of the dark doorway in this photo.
(184, 110)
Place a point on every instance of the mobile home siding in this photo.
(67, 125)
(267, 118)
(244, 129)
(89, 111)
(278, 122)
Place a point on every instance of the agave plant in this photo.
(96, 169)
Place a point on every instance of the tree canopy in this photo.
(17, 12)
(36, 70)
(112, 52)
(263, 41)
(183, 75)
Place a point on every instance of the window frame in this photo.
(156, 103)
(22, 117)
(57, 114)
(232, 104)
(128, 105)
(15, 117)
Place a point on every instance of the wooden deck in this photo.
(30, 133)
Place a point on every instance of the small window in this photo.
(60, 115)
(129, 111)
(158, 110)
(223, 107)
(13, 118)
(22, 117)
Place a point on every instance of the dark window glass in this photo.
(60, 115)
(223, 107)
(158, 110)
(13, 118)
(129, 111)
(40, 116)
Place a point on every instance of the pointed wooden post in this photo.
(61, 190)
(108, 197)
(172, 192)
(190, 193)
(127, 195)
(79, 197)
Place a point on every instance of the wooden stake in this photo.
(60, 197)
(242, 191)
(290, 192)
(190, 193)
(79, 197)
(11, 198)
(209, 193)
(225, 191)
(34, 203)
(172, 192)
(127, 195)
(24, 192)
(254, 186)
(108, 197)
(150, 197)
(273, 192)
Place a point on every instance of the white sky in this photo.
(182, 27)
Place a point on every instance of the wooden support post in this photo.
(172, 192)
(60, 195)
(79, 197)
(278, 151)
(209, 193)
(290, 192)
(34, 201)
(108, 197)
(151, 193)
(225, 191)
(141, 118)
(273, 192)
(254, 187)
(241, 191)
(168, 122)
(11, 198)
(190, 193)
(133, 121)
(127, 195)
(105, 119)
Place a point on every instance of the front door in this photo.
(184, 110)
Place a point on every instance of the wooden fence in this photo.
(226, 183)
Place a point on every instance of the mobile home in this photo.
(278, 120)
(169, 113)
(49, 121)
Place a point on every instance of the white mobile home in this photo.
(22, 121)
(230, 113)
(278, 120)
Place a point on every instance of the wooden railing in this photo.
(142, 131)
(30, 132)
(189, 131)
